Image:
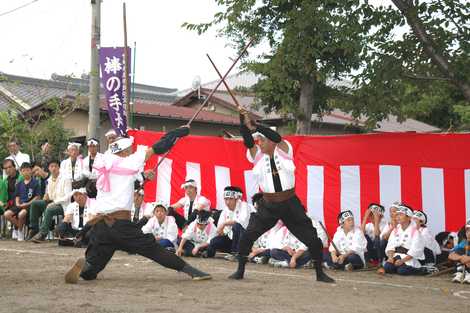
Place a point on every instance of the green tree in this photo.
(33, 130)
(310, 42)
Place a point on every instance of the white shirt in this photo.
(121, 193)
(354, 241)
(200, 203)
(74, 209)
(86, 167)
(66, 169)
(284, 163)
(267, 240)
(284, 238)
(411, 239)
(19, 159)
(241, 215)
(369, 229)
(62, 191)
(166, 230)
(385, 230)
(429, 241)
(198, 236)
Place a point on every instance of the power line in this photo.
(18, 8)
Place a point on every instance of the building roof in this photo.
(31, 92)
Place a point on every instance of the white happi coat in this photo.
(354, 241)
(411, 239)
(369, 229)
(88, 211)
(200, 203)
(262, 168)
(120, 195)
(19, 159)
(386, 229)
(429, 241)
(266, 240)
(66, 169)
(166, 230)
(199, 237)
(241, 215)
(86, 167)
(284, 238)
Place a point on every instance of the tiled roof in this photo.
(164, 110)
(35, 91)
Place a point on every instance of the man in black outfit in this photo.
(274, 170)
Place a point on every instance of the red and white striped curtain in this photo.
(429, 172)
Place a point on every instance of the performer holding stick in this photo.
(273, 168)
(113, 229)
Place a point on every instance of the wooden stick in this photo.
(126, 67)
(329, 238)
(447, 270)
(225, 83)
(209, 96)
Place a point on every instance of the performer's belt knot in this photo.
(111, 218)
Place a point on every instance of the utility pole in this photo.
(94, 79)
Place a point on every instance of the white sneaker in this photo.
(282, 264)
(457, 277)
(466, 280)
(14, 234)
(20, 235)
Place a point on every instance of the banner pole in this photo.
(126, 68)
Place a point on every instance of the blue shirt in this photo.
(460, 248)
(26, 192)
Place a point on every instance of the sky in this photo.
(53, 36)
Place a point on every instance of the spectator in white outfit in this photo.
(163, 227)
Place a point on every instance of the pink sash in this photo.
(103, 173)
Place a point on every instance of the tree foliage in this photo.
(32, 131)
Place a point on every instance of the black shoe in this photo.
(39, 238)
(195, 273)
(324, 278)
(31, 234)
(240, 272)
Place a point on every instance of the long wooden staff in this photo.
(329, 238)
(210, 95)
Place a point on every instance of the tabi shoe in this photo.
(195, 273)
(240, 272)
(321, 275)
(73, 274)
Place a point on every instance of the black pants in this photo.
(180, 221)
(127, 236)
(292, 213)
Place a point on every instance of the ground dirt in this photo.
(32, 281)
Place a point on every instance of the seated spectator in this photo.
(41, 176)
(447, 241)
(232, 223)
(191, 204)
(461, 255)
(288, 251)
(385, 234)
(138, 207)
(8, 185)
(76, 215)
(163, 227)
(25, 193)
(261, 250)
(431, 247)
(88, 170)
(197, 236)
(405, 246)
(372, 226)
(350, 242)
(55, 200)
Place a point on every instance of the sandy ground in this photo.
(32, 281)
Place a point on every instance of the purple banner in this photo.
(112, 77)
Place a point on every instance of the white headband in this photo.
(160, 203)
(405, 210)
(232, 194)
(344, 216)
(377, 208)
(92, 141)
(110, 132)
(80, 190)
(74, 144)
(421, 216)
(121, 144)
(188, 184)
